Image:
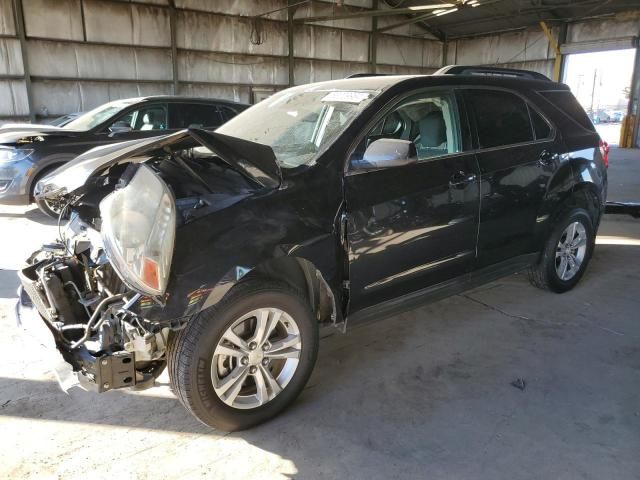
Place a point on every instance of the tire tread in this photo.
(538, 273)
(182, 347)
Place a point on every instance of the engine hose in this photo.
(94, 317)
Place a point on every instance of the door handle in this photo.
(461, 179)
(545, 159)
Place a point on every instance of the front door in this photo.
(148, 120)
(412, 226)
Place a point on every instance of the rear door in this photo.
(517, 155)
(413, 226)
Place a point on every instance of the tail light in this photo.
(604, 151)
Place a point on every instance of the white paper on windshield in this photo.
(346, 97)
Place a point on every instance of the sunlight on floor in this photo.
(616, 240)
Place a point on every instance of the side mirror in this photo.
(119, 127)
(387, 152)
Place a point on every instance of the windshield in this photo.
(299, 123)
(98, 115)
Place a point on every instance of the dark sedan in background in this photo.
(29, 153)
(59, 122)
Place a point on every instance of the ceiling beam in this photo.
(427, 16)
(364, 13)
(511, 15)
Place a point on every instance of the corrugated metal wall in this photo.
(529, 49)
(82, 53)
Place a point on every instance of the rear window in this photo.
(502, 118)
(540, 126)
(564, 101)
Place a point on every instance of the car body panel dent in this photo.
(263, 226)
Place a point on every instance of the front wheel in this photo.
(566, 254)
(50, 208)
(243, 361)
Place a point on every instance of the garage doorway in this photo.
(601, 81)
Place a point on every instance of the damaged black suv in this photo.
(221, 254)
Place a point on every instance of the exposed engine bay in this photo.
(117, 248)
(86, 306)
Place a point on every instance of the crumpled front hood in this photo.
(255, 161)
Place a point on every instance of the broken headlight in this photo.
(138, 230)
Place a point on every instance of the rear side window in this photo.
(567, 103)
(502, 118)
(540, 126)
(228, 113)
(194, 115)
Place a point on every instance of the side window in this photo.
(502, 118)
(227, 112)
(149, 117)
(428, 120)
(564, 101)
(194, 115)
(540, 127)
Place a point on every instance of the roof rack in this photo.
(360, 75)
(490, 71)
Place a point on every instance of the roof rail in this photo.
(490, 71)
(360, 75)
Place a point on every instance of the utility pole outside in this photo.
(593, 88)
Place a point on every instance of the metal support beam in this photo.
(174, 47)
(429, 15)
(556, 48)
(84, 23)
(409, 21)
(373, 47)
(291, 59)
(360, 14)
(632, 122)
(562, 39)
(445, 51)
(20, 30)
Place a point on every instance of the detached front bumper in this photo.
(42, 343)
(100, 373)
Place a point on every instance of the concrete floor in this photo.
(426, 394)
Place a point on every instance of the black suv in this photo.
(220, 254)
(28, 153)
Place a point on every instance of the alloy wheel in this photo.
(571, 250)
(256, 358)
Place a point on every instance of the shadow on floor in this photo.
(430, 390)
(34, 215)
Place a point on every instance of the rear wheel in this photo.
(243, 361)
(566, 254)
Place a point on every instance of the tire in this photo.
(49, 210)
(547, 272)
(193, 367)
(45, 207)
